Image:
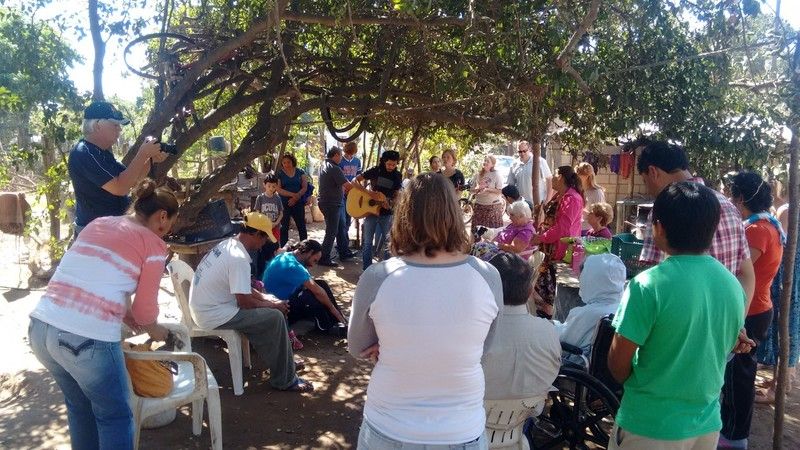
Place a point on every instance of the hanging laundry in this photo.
(613, 163)
(626, 164)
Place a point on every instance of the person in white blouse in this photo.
(592, 192)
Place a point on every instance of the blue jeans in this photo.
(370, 438)
(374, 227)
(93, 378)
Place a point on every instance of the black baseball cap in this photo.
(106, 111)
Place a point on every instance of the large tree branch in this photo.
(564, 58)
(99, 51)
(396, 21)
(160, 116)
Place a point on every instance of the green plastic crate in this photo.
(626, 246)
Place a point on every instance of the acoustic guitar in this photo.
(360, 204)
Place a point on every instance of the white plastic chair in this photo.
(505, 419)
(238, 344)
(193, 384)
(535, 260)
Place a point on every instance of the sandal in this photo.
(764, 397)
(300, 385)
(296, 344)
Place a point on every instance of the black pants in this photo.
(298, 214)
(739, 390)
(303, 305)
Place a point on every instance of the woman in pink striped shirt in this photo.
(76, 328)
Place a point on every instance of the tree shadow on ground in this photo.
(32, 411)
(328, 418)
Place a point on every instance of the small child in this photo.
(676, 325)
(269, 204)
(599, 215)
(602, 282)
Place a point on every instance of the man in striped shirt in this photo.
(660, 164)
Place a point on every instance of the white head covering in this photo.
(602, 279)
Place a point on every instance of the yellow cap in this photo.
(260, 222)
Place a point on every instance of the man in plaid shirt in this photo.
(660, 164)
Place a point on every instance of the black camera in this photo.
(172, 149)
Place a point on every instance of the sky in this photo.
(119, 81)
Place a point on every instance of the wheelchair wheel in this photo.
(581, 413)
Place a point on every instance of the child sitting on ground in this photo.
(599, 215)
(676, 325)
(522, 356)
(602, 282)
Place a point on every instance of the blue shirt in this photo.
(284, 275)
(351, 168)
(291, 184)
(90, 167)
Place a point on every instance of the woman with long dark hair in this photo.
(562, 219)
(423, 317)
(76, 328)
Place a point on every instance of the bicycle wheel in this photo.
(466, 210)
(167, 55)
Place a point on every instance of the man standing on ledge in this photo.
(101, 183)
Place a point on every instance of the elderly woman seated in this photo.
(514, 238)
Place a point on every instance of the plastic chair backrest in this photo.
(181, 275)
(598, 362)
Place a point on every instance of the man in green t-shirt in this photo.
(676, 325)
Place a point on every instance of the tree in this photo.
(34, 69)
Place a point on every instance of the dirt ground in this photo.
(33, 416)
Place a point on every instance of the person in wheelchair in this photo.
(676, 325)
(602, 282)
(522, 355)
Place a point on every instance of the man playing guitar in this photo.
(384, 183)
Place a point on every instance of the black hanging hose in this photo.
(147, 37)
(325, 111)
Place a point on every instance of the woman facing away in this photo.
(76, 328)
(422, 317)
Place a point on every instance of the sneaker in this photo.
(339, 330)
(296, 344)
(725, 443)
(328, 263)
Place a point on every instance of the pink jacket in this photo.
(568, 222)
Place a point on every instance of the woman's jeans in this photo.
(93, 378)
(371, 439)
(298, 214)
(375, 227)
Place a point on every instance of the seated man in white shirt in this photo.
(522, 356)
(221, 297)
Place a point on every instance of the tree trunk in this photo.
(52, 195)
(99, 51)
(789, 255)
(536, 153)
(790, 251)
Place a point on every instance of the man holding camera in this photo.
(102, 183)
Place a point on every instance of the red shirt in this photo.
(764, 237)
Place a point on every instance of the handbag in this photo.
(150, 378)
